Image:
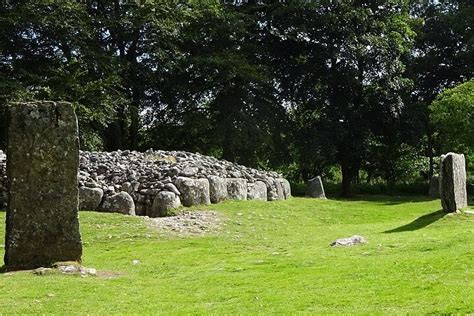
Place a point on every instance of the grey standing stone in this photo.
(164, 202)
(236, 189)
(316, 188)
(120, 202)
(42, 225)
(434, 187)
(217, 189)
(453, 182)
(90, 198)
(286, 188)
(257, 191)
(193, 191)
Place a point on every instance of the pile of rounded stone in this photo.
(155, 182)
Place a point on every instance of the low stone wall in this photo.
(155, 182)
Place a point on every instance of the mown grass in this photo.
(268, 258)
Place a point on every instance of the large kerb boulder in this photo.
(120, 202)
(236, 189)
(453, 182)
(164, 202)
(217, 189)
(193, 191)
(257, 191)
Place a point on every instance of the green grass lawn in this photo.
(270, 257)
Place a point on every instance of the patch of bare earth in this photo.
(193, 223)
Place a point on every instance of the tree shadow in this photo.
(384, 199)
(419, 223)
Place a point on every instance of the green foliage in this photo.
(451, 115)
(269, 258)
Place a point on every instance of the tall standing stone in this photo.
(453, 182)
(315, 188)
(42, 225)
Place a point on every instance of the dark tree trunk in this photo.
(346, 180)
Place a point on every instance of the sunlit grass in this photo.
(270, 257)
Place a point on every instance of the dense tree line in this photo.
(305, 87)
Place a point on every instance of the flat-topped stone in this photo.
(453, 182)
(42, 225)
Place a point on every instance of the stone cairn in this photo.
(155, 182)
(42, 225)
(453, 182)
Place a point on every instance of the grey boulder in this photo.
(193, 191)
(90, 198)
(120, 202)
(164, 202)
(217, 189)
(236, 189)
(257, 191)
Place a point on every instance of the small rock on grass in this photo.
(349, 241)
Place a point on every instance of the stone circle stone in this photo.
(316, 188)
(453, 182)
(42, 225)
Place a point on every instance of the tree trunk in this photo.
(347, 177)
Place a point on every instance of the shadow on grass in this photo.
(419, 223)
(384, 199)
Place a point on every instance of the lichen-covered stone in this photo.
(42, 225)
(120, 202)
(164, 202)
(274, 190)
(236, 189)
(90, 198)
(316, 188)
(217, 189)
(193, 191)
(257, 191)
(453, 182)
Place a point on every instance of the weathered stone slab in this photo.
(236, 189)
(217, 189)
(453, 182)
(316, 188)
(164, 202)
(42, 225)
(257, 191)
(193, 191)
(434, 187)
